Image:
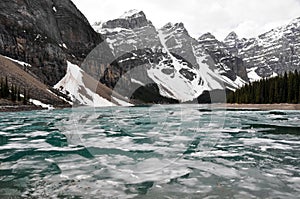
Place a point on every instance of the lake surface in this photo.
(172, 151)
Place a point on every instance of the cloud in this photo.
(247, 18)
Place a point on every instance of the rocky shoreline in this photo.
(20, 108)
(9, 106)
(262, 106)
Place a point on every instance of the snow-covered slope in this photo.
(132, 13)
(75, 85)
(24, 64)
(212, 75)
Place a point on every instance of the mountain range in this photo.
(130, 61)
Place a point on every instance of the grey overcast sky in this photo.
(248, 18)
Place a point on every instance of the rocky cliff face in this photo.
(224, 54)
(45, 34)
(232, 43)
(209, 42)
(129, 20)
(133, 41)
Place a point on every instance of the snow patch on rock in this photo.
(18, 62)
(73, 86)
(252, 75)
(130, 13)
(39, 103)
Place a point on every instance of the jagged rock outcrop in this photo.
(45, 34)
(232, 43)
(209, 42)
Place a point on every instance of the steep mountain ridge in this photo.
(270, 54)
(274, 52)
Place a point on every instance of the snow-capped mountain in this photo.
(273, 52)
(172, 59)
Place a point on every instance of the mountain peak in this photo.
(129, 20)
(207, 36)
(180, 24)
(132, 14)
(231, 36)
(175, 27)
(170, 25)
(294, 23)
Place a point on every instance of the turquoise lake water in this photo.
(171, 151)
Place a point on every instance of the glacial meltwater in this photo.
(169, 151)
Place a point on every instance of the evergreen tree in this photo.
(6, 89)
(12, 93)
(24, 97)
(290, 88)
(280, 89)
(285, 88)
(1, 88)
(257, 93)
(19, 95)
(28, 96)
(271, 93)
(296, 86)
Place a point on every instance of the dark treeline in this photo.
(13, 92)
(281, 89)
